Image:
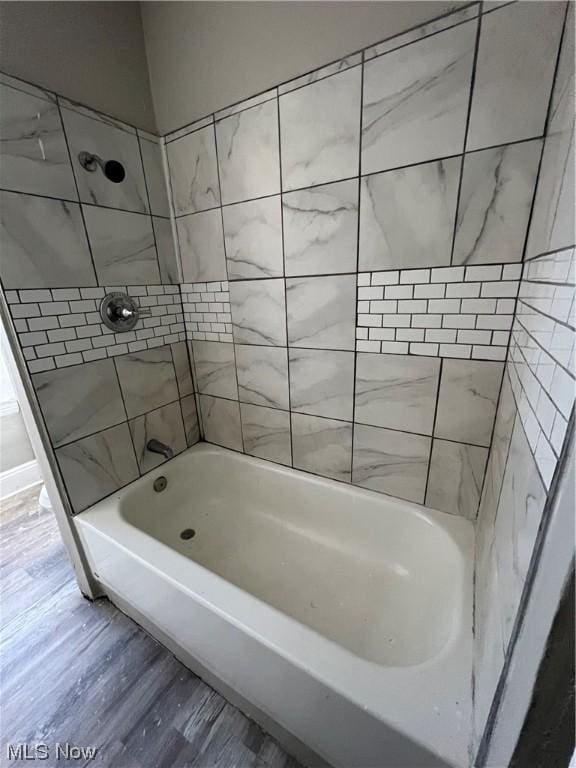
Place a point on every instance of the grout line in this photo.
(432, 434)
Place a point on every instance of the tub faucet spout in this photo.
(155, 446)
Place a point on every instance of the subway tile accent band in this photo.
(207, 314)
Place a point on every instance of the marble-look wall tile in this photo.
(456, 476)
(97, 466)
(322, 446)
(253, 239)
(514, 72)
(494, 205)
(467, 401)
(322, 312)
(320, 128)
(156, 181)
(123, 246)
(415, 100)
(86, 134)
(322, 382)
(266, 433)
(193, 172)
(221, 422)
(407, 216)
(391, 462)
(182, 368)
(397, 391)
(202, 247)
(190, 418)
(167, 258)
(248, 155)
(44, 243)
(321, 229)
(320, 74)
(258, 312)
(215, 368)
(262, 375)
(148, 380)
(164, 424)
(79, 400)
(33, 153)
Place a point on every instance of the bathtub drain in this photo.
(188, 533)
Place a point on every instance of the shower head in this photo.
(112, 169)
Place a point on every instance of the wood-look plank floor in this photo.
(82, 673)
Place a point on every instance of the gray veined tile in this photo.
(79, 400)
(322, 382)
(407, 216)
(193, 172)
(24, 87)
(262, 375)
(215, 368)
(320, 131)
(202, 247)
(266, 433)
(467, 401)
(321, 312)
(123, 246)
(258, 312)
(44, 243)
(156, 181)
(321, 229)
(96, 466)
(514, 72)
(182, 368)
(167, 257)
(397, 391)
(391, 462)
(148, 379)
(190, 418)
(456, 477)
(253, 238)
(33, 152)
(416, 99)
(495, 200)
(320, 74)
(86, 134)
(164, 424)
(322, 446)
(221, 421)
(248, 155)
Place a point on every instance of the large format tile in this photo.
(407, 216)
(456, 476)
(193, 172)
(321, 229)
(467, 401)
(322, 446)
(167, 258)
(248, 155)
(164, 424)
(320, 130)
(156, 181)
(514, 72)
(123, 246)
(415, 100)
(79, 400)
(262, 375)
(322, 382)
(190, 418)
(148, 379)
(97, 466)
(322, 312)
(182, 368)
(33, 153)
(202, 247)
(258, 312)
(494, 206)
(266, 433)
(391, 462)
(397, 391)
(87, 134)
(44, 243)
(215, 368)
(221, 421)
(253, 238)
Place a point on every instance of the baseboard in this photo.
(19, 478)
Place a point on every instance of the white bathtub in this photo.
(339, 618)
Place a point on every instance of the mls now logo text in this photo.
(44, 752)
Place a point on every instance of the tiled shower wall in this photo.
(67, 238)
(351, 245)
(536, 406)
